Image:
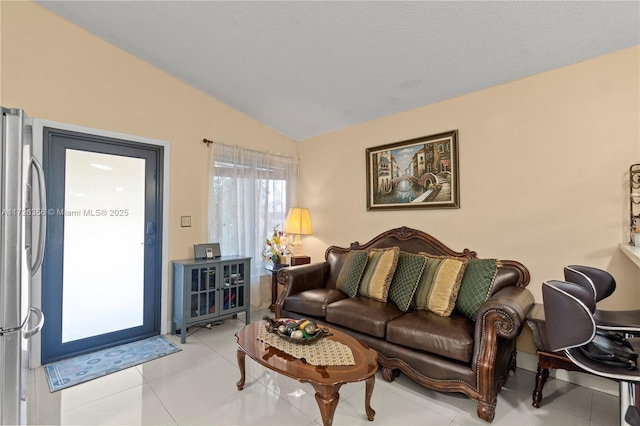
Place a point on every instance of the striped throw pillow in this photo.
(439, 284)
(378, 274)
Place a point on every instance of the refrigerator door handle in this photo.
(4, 331)
(43, 218)
(38, 327)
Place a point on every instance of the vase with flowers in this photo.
(276, 247)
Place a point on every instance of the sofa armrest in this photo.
(510, 306)
(502, 316)
(297, 279)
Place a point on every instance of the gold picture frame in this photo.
(420, 173)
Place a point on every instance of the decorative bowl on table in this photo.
(302, 332)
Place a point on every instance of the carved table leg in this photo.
(541, 379)
(370, 382)
(327, 397)
(513, 363)
(241, 355)
(274, 291)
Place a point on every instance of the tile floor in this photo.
(197, 386)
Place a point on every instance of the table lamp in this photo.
(298, 223)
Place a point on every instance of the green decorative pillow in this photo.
(421, 295)
(377, 275)
(438, 290)
(476, 286)
(351, 272)
(406, 279)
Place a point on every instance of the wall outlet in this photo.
(185, 221)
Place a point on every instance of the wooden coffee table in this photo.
(326, 380)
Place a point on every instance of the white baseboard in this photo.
(529, 362)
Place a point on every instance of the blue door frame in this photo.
(55, 144)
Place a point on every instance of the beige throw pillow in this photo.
(378, 273)
(438, 291)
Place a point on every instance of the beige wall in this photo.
(58, 71)
(543, 160)
(543, 173)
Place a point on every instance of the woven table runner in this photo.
(322, 352)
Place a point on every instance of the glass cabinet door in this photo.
(233, 280)
(203, 291)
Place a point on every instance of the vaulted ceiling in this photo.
(312, 67)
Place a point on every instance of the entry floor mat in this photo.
(82, 368)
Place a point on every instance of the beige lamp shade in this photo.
(298, 222)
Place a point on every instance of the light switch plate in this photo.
(185, 221)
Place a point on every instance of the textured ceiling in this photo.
(307, 68)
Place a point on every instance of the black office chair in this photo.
(601, 285)
(569, 308)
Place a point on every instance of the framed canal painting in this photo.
(420, 173)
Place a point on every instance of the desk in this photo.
(546, 358)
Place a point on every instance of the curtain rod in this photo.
(209, 142)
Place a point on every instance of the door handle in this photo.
(38, 327)
(151, 228)
(33, 268)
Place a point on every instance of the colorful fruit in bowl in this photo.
(310, 329)
(302, 331)
(290, 328)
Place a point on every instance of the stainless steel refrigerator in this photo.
(21, 253)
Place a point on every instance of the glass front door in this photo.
(101, 282)
(103, 244)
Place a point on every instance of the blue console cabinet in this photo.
(206, 290)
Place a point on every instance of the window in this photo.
(250, 193)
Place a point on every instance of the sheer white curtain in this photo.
(250, 192)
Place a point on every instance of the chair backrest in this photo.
(568, 311)
(600, 283)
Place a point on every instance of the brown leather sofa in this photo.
(451, 354)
